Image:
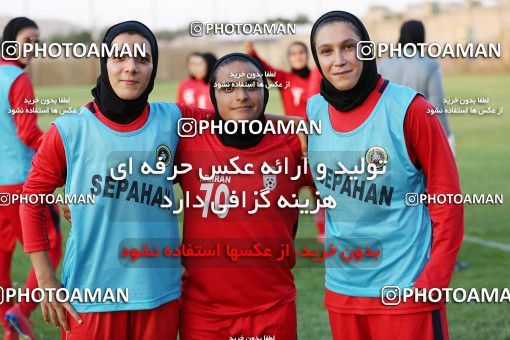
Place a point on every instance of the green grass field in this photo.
(481, 154)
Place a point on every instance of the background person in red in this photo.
(249, 297)
(295, 96)
(19, 139)
(194, 90)
(119, 113)
(188, 88)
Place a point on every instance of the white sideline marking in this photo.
(490, 244)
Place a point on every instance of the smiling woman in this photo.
(237, 102)
(338, 59)
(370, 118)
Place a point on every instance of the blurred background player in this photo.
(422, 74)
(194, 90)
(295, 96)
(374, 119)
(19, 139)
(188, 88)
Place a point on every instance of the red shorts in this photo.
(158, 323)
(10, 224)
(278, 322)
(429, 325)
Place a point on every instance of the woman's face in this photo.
(298, 57)
(27, 36)
(335, 44)
(129, 76)
(239, 103)
(197, 67)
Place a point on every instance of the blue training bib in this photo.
(371, 215)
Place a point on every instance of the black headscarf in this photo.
(210, 60)
(112, 106)
(303, 72)
(349, 99)
(239, 140)
(12, 29)
(412, 32)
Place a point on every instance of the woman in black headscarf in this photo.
(210, 60)
(345, 89)
(123, 97)
(202, 99)
(196, 67)
(388, 128)
(83, 151)
(224, 299)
